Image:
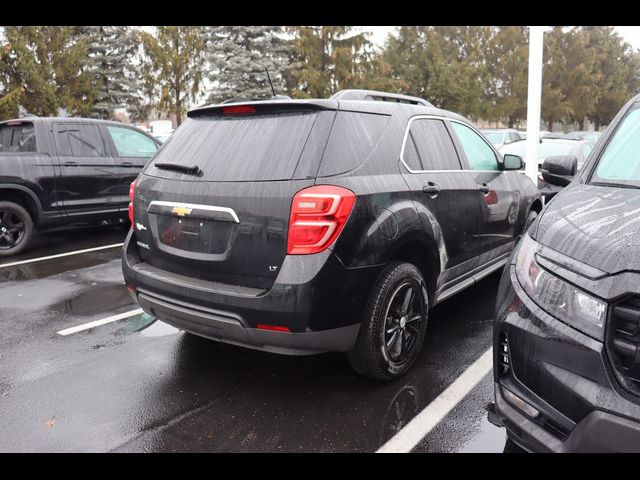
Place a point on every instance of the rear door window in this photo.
(17, 137)
(79, 140)
(238, 148)
(434, 145)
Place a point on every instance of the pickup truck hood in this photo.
(599, 226)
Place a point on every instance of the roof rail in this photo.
(378, 96)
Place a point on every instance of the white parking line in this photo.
(406, 439)
(59, 255)
(97, 323)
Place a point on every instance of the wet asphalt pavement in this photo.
(136, 385)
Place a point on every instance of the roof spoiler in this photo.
(378, 96)
(263, 106)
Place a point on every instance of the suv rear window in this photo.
(17, 138)
(238, 148)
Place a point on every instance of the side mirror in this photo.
(512, 162)
(559, 170)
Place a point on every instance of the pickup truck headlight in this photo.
(556, 296)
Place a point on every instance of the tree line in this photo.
(480, 72)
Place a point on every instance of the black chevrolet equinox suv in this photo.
(306, 226)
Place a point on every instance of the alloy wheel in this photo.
(403, 321)
(12, 230)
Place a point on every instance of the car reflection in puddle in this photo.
(147, 325)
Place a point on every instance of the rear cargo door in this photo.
(214, 203)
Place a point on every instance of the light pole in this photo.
(534, 99)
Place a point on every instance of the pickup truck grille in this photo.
(624, 343)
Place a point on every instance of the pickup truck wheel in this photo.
(394, 324)
(16, 228)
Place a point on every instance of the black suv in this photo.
(567, 331)
(65, 170)
(305, 226)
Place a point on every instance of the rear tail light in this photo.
(318, 215)
(132, 191)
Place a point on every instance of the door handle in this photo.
(70, 164)
(484, 188)
(127, 164)
(431, 189)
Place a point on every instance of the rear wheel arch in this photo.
(23, 197)
(424, 255)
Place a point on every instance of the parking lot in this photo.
(136, 385)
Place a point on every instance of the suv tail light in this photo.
(318, 215)
(132, 191)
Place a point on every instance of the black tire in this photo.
(16, 229)
(390, 311)
(530, 219)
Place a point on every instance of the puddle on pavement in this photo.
(37, 270)
(88, 303)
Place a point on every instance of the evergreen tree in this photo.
(111, 52)
(46, 68)
(507, 76)
(326, 59)
(445, 65)
(619, 70)
(581, 76)
(555, 106)
(9, 94)
(239, 55)
(173, 66)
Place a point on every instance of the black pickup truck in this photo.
(57, 171)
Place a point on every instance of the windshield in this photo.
(494, 137)
(620, 162)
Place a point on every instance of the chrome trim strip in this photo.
(472, 280)
(193, 206)
(444, 119)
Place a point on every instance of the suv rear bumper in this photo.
(314, 296)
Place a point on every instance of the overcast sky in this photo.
(630, 34)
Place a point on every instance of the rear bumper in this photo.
(223, 327)
(314, 296)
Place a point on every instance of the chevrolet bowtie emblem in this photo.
(181, 211)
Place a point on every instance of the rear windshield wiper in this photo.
(179, 167)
